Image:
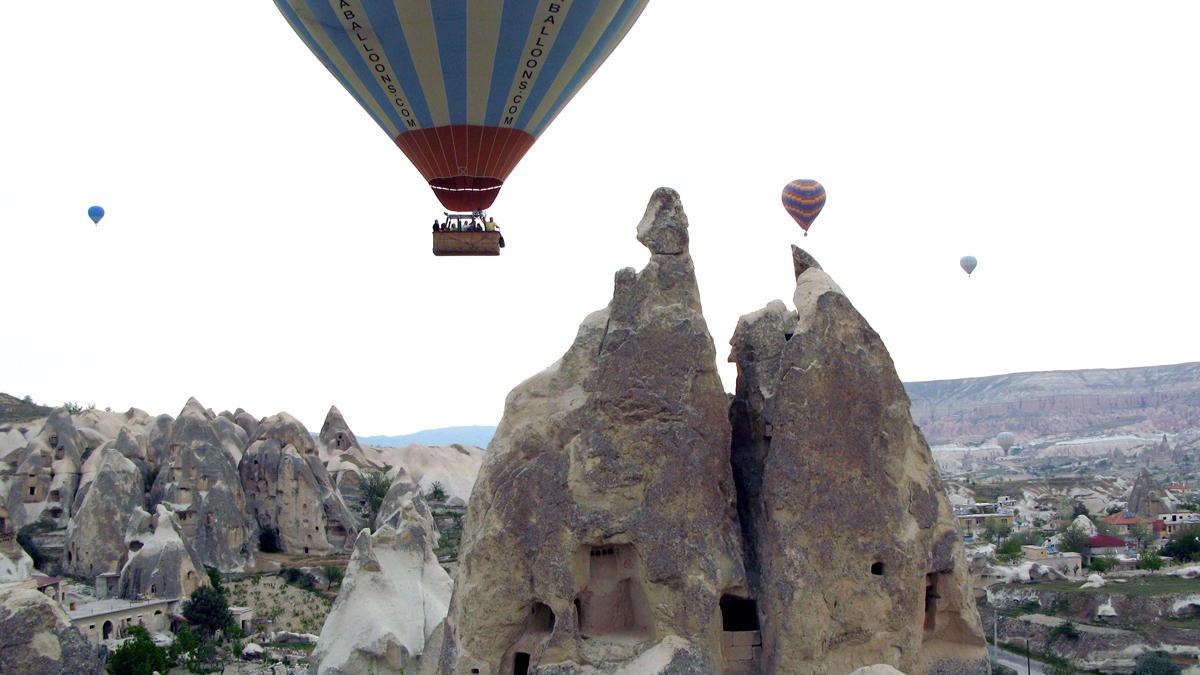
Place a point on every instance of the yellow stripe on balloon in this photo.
(416, 18)
(483, 35)
(547, 23)
(358, 29)
(587, 42)
(548, 102)
(343, 67)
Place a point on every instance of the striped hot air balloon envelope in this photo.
(464, 87)
(803, 200)
(968, 264)
(1005, 440)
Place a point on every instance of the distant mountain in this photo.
(1060, 402)
(477, 436)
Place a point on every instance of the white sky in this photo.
(267, 246)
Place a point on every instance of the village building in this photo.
(1067, 562)
(1104, 546)
(110, 619)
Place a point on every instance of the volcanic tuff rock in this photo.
(199, 479)
(37, 638)
(851, 546)
(602, 527)
(336, 435)
(1163, 398)
(47, 473)
(287, 488)
(161, 564)
(1147, 498)
(391, 569)
(94, 542)
(403, 495)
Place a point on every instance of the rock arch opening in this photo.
(520, 663)
(738, 615)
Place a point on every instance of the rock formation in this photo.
(629, 519)
(38, 638)
(199, 480)
(403, 495)
(851, 548)
(337, 437)
(287, 488)
(393, 597)
(161, 562)
(94, 542)
(47, 473)
(602, 531)
(1147, 498)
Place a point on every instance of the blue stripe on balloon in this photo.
(564, 43)
(315, 48)
(610, 34)
(514, 29)
(391, 36)
(450, 23)
(350, 52)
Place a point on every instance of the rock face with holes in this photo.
(393, 597)
(47, 474)
(38, 638)
(95, 542)
(287, 488)
(602, 532)
(851, 546)
(161, 562)
(198, 478)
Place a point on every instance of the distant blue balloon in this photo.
(96, 213)
(968, 264)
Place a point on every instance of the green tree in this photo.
(1102, 564)
(1155, 663)
(1184, 544)
(214, 578)
(995, 530)
(436, 493)
(207, 610)
(139, 656)
(1010, 553)
(1073, 539)
(1078, 509)
(374, 487)
(1142, 533)
(1149, 559)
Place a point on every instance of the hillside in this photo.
(13, 409)
(1057, 403)
(478, 436)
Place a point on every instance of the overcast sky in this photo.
(267, 246)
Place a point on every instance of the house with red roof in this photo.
(1105, 546)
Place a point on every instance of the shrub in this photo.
(268, 540)
(436, 493)
(1149, 559)
(139, 656)
(374, 486)
(1009, 553)
(1073, 539)
(1155, 663)
(207, 610)
(335, 574)
(1102, 564)
(1184, 544)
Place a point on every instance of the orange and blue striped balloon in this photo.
(803, 199)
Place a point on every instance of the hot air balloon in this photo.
(1005, 440)
(96, 213)
(803, 200)
(464, 88)
(968, 263)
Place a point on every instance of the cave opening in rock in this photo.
(521, 664)
(877, 569)
(542, 619)
(931, 598)
(738, 614)
(613, 602)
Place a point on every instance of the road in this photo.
(1014, 661)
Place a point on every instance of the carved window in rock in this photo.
(931, 601)
(612, 601)
(202, 483)
(60, 452)
(55, 496)
(738, 615)
(183, 496)
(520, 663)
